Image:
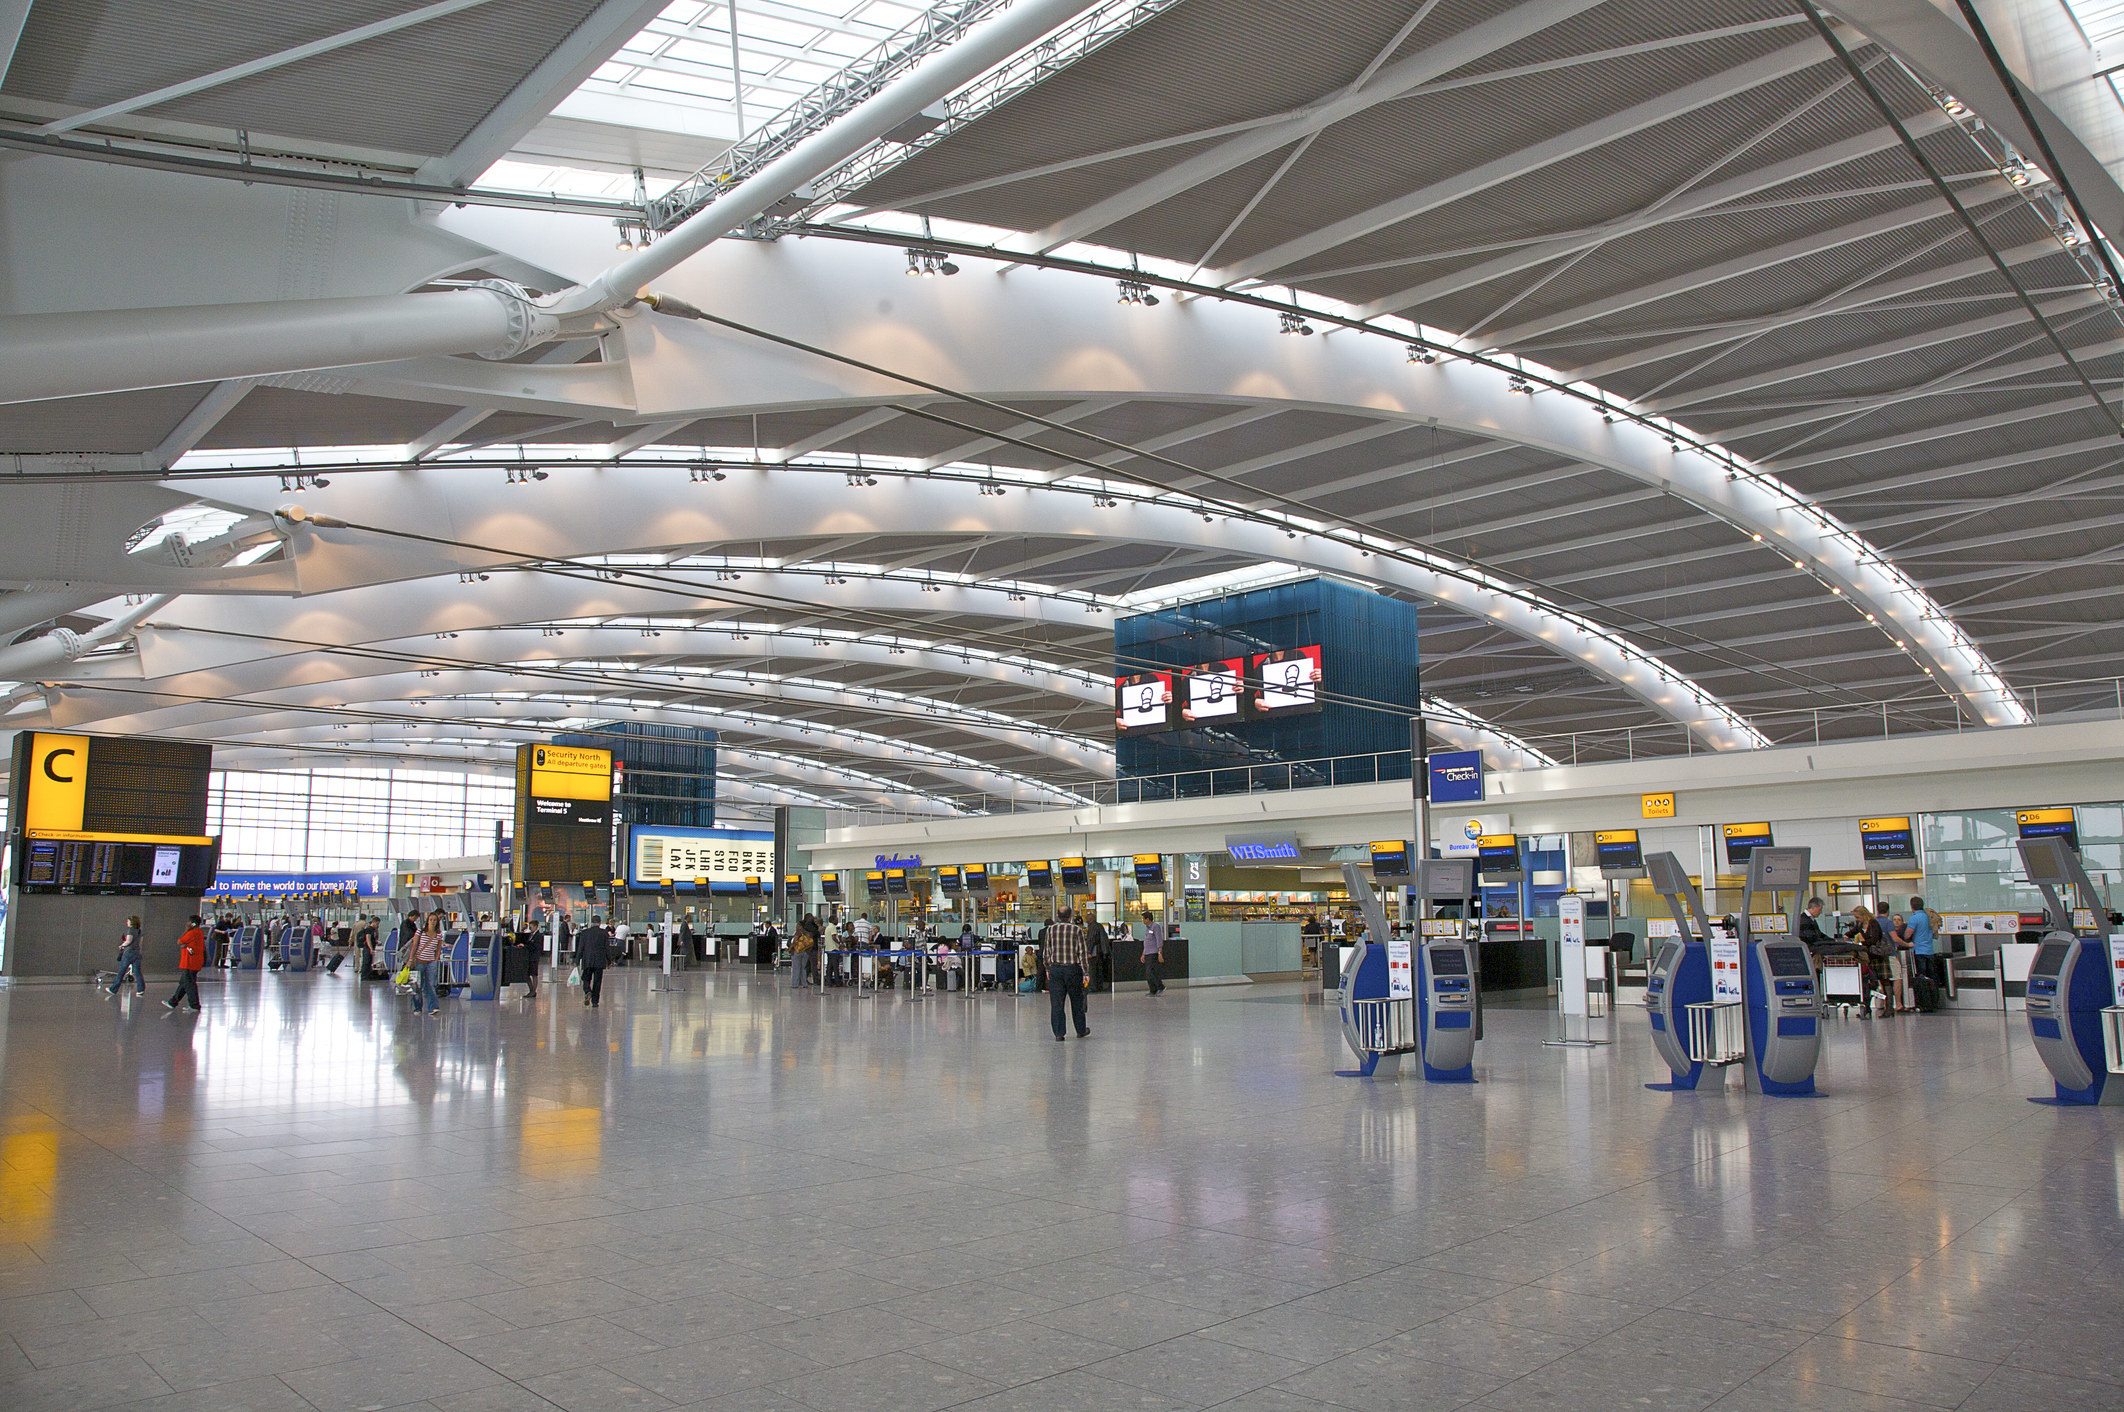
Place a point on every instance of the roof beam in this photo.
(1519, 23)
(13, 13)
(221, 399)
(1851, 301)
(559, 74)
(345, 39)
(1753, 262)
(1666, 210)
(1704, 93)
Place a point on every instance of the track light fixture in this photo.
(859, 480)
(1105, 502)
(303, 482)
(928, 587)
(471, 577)
(928, 263)
(1520, 384)
(1135, 291)
(1420, 354)
(701, 475)
(523, 476)
(1288, 322)
(549, 632)
(989, 487)
(632, 235)
(651, 632)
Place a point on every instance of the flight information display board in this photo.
(1497, 858)
(1391, 859)
(111, 814)
(976, 875)
(1075, 877)
(2049, 823)
(1617, 850)
(830, 886)
(1039, 877)
(1150, 870)
(947, 879)
(1744, 839)
(563, 814)
(1887, 841)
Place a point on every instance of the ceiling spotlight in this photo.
(1520, 384)
(1608, 417)
(1290, 322)
(928, 263)
(1135, 291)
(1757, 538)
(1420, 354)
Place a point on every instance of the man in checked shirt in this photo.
(1066, 951)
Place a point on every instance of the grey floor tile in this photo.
(1196, 1366)
(1386, 1378)
(1022, 1352)
(893, 1382)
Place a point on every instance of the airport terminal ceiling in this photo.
(1645, 352)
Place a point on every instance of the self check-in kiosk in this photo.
(246, 948)
(1447, 974)
(1679, 975)
(2070, 983)
(482, 965)
(1782, 992)
(1410, 994)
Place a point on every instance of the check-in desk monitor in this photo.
(1448, 1011)
(1784, 1015)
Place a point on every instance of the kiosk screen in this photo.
(1669, 955)
(1448, 961)
(1450, 879)
(1787, 961)
(2050, 961)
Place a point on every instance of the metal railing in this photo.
(2049, 703)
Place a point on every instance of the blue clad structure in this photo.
(1282, 731)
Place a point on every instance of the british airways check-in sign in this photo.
(1456, 777)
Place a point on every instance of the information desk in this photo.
(1128, 961)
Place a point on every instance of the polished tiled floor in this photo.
(732, 1198)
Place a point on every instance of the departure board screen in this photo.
(948, 879)
(1497, 858)
(1075, 877)
(1391, 859)
(1618, 850)
(830, 886)
(1038, 877)
(976, 875)
(111, 814)
(1744, 839)
(1887, 841)
(563, 814)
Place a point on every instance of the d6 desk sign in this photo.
(1657, 806)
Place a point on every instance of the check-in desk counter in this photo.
(1513, 960)
(1128, 961)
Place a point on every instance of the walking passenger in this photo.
(1066, 951)
(191, 959)
(1154, 955)
(593, 952)
(129, 959)
(426, 962)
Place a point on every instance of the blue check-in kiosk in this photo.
(295, 947)
(2070, 983)
(246, 948)
(1779, 985)
(482, 965)
(457, 961)
(392, 961)
(1446, 974)
(1679, 974)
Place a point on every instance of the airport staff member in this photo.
(191, 959)
(593, 952)
(1066, 950)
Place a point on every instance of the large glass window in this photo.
(302, 821)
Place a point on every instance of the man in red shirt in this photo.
(191, 958)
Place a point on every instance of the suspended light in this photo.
(1135, 291)
(1289, 322)
(928, 263)
(1420, 354)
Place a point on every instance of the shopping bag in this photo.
(404, 976)
(575, 975)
